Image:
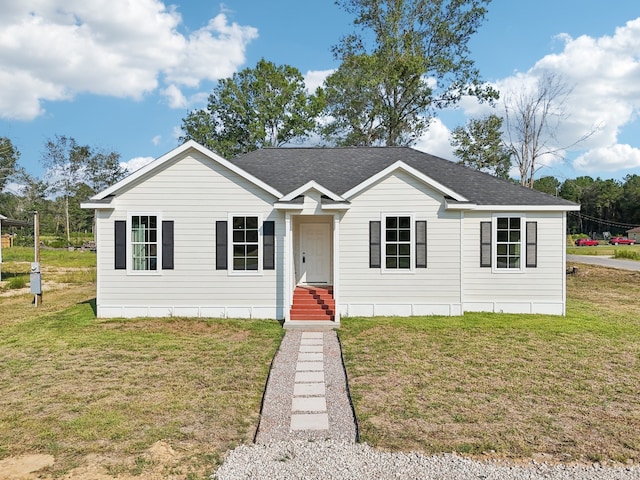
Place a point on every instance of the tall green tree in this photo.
(410, 59)
(479, 145)
(9, 156)
(66, 162)
(265, 106)
(102, 170)
(577, 190)
(629, 201)
(70, 165)
(547, 184)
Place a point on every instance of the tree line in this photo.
(73, 173)
(404, 61)
(605, 205)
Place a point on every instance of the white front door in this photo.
(315, 253)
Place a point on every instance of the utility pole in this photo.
(36, 277)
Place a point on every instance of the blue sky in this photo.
(122, 78)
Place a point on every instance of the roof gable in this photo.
(312, 185)
(401, 166)
(168, 157)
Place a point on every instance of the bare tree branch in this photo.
(532, 118)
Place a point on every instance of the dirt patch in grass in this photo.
(509, 386)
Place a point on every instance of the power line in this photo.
(602, 221)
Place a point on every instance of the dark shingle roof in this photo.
(341, 169)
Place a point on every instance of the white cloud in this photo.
(212, 52)
(136, 163)
(604, 74)
(175, 97)
(177, 132)
(177, 100)
(616, 157)
(436, 140)
(156, 140)
(315, 78)
(52, 50)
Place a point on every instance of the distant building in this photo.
(634, 233)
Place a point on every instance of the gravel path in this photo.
(275, 418)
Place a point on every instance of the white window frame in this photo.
(494, 246)
(130, 263)
(230, 244)
(383, 242)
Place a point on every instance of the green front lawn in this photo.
(507, 385)
(103, 392)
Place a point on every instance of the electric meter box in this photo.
(35, 278)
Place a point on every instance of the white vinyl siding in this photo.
(195, 193)
(533, 290)
(370, 289)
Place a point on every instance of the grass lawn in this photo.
(512, 386)
(106, 393)
(91, 391)
(617, 251)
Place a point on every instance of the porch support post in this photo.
(288, 252)
(336, 265)
(563, 265)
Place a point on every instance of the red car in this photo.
(621, 241)
(586, 242)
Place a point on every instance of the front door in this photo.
(315, 253)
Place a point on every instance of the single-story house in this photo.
(321, 233)
(634, 233)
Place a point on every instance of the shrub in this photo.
(630, 254)
(15, 283)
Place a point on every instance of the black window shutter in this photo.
(421, 244)
(120, 235)
(532, 244)
(221, 245)
(374, 244)
(167, 245)
(485, 244)
(268, 245)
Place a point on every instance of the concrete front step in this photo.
(310, 325)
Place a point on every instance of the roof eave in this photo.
(336, 206)
(511, 208)
(288, 206)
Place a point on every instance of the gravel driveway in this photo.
(332, 460)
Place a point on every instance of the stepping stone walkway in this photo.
(309, 404)
(306, 395)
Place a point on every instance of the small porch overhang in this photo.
(310, 207)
